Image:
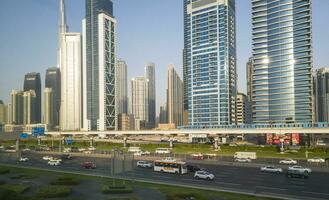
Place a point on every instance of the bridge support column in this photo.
(171, 143)
(91, 141)
(216, 143)
(17, 145)
(125, 142)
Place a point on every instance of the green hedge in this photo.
(107, 189)
(65, 181)
(17, 188)
(54, 191)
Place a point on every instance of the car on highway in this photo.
(88, 165)
(141, 153)
(293, 173)
(81, 149)
(67, 150)
(54, 162)
(26, 149)
(91, 148)
(288, 161)
(242, 160)
(87, 152)
(192, 168)
(197, 156)
(22, 159)
(144, 164)
(66, 157)
(300, 168)
(316, 160)
(271, 169)
(163, 151)
(204, 175)
(47, 158)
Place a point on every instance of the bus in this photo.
(170, 166)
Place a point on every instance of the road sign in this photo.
(36, 131)
(69, 141)
(24, 136)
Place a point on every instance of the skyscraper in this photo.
(321, 94)
(250, 72)
(210, 61)
(150, 75)
(282, 59)
(32, 82)
(29, 98)
(16, 108)
(99, 66)
(163, 114)
(53, 81)
(121, 87)
(70, 110)
(140, 98)
(48, 108)
(243, 112)
(3, 113)
(175, 97)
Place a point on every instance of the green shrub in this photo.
(65, 181)
(54, 191)
(107, 189)
(4, 170)
(17, 188)
(23, 176)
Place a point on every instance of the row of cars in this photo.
(293, 171)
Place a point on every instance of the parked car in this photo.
(300, 168)
(316, 160)
(144, 164)
(271, 169)
(192, 168)
(293, 173)
(54, 162)
(243, 160)
(288, 161)
(204, 175)
(23, 159)
(88, 165)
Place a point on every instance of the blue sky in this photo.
(148, 30)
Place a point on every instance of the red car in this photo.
(88, 165)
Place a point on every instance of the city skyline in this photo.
(135, 62)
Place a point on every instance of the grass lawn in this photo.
(17, 188)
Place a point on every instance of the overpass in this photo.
(319, 128)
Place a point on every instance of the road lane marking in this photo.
(270, 188)
(226, 183)
(317, 193)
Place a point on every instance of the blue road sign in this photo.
(24, 136)
(38, 131)
(69, 141)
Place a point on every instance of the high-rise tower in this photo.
(150, 75)
(282, 61)
(99, 60)
(210, 61)
(121, 87)
(53, 81)
(32, 82)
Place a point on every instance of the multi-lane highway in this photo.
(246, 178)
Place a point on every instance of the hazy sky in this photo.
(147, 30)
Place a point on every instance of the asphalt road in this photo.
(234, 178)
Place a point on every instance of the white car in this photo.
(300, 168)
(92, 148)
(67, 150)
(144, 164)
(141, 153)
(56, 159)
(316, 160)
(163, 151)
(244, 160)
(54, 162)
(204, 175)
(23, 159)
(288, 162)
(87, 152)
(26, 149)
(47, 158)
(81, 149)
(271, 169)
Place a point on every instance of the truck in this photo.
(246, 155)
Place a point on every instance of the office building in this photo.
(48, 108)
(16, 108)
(163, 114)
(53, 82)
(121, 87)
(140, 99)
(29, 115)
(126, 122)
(249, 70)
(321, 94)
(175, 97)
(210, 61)
(99, 61)
(70, 110)
(243, 112)
(32, 81)
(282, 61)
(150, 75)
(3, 112)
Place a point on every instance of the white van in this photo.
(245, 155)
(162, 151)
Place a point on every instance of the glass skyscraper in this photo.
(99, 66)
(282, 61)
(32, 81)
(53, 81)
(210, 62)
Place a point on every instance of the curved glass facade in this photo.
(282, 59)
